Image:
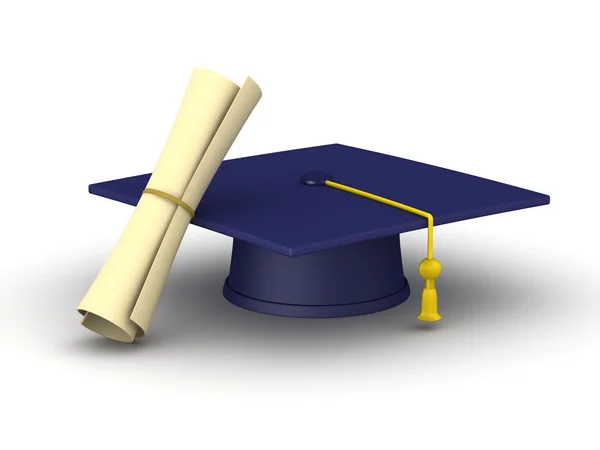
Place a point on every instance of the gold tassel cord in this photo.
(430, 268)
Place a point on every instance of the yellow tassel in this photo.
(429, 269)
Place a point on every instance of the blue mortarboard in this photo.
(307, 243)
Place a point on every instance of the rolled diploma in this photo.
(108, 305)
(236, 117)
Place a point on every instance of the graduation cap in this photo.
(316, 230)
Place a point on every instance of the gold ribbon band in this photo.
(175, 200)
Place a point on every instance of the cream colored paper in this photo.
(237, 115)
(120, 303)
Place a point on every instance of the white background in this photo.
(508, 90)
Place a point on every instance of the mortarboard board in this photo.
(313, 235)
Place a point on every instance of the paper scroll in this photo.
(120, 303)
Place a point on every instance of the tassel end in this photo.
(429, 269)
(429, 311)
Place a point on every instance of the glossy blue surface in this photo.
(261, 200)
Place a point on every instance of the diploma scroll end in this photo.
(105, 328)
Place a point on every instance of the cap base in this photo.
(312, 311)
(347, 280)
